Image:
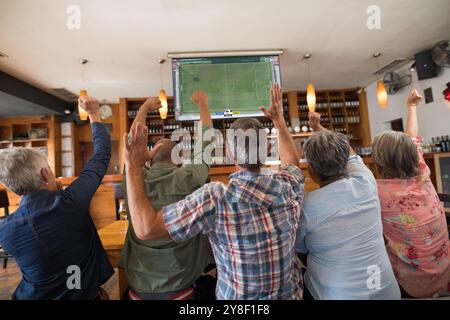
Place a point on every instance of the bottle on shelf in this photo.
(438, 145)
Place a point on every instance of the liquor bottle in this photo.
(443, 146)
(447, 144)
(438, 144)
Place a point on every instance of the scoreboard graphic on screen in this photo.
(236, 86)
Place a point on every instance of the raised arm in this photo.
(314, 123)
(148, 224)
(151, 104)
(288, 151)
(200, 99)
(412, 126)
(84, 187)
(199, 170)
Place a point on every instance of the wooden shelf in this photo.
(29, 140)
(340, 105)
(12, 128)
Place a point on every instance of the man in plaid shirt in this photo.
(251, 223)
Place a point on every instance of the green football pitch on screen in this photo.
(242, 87)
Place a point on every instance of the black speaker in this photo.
(425, 66)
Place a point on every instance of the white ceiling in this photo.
(124, 39)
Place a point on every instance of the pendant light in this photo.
(310, 91)
(381, 88)
(83, 92)
(162, 93)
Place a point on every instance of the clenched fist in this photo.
(152, 104)
(200, 98)
(314, 120)
(414, 98)
(90, 105)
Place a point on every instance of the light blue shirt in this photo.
(341, 230)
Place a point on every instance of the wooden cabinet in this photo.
(343, 111)
(39, 132)
(159, 128)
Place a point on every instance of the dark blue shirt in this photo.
(51, 231)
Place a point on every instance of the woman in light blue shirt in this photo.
(340, 228)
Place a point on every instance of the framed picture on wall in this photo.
(442, 167)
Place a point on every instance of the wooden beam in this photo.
(25, 91)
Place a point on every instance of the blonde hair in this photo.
(395, 155)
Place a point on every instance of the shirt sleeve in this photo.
(84, 187)
(357, 168)
(191, 216)
(423, 168)
(300, 242)
(295, 177)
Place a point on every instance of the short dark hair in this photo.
(327, 154)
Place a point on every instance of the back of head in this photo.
(247, 143)
(327, 154)
(164, 153)
(395, 155)
(20, 169)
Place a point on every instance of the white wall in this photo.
(434, 118)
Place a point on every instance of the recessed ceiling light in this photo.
(377, 54)
(84, 61)
(3, 55)
(307, 56)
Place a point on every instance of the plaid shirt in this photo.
(251, 224)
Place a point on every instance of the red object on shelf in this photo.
(447, 92)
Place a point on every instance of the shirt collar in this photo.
(34, 195)
(244, 175)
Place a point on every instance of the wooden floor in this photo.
(11, 276)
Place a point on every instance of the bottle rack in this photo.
(159, 128)
(340, 111)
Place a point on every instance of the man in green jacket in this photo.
(164, 269)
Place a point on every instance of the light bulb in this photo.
(382, 94)
(163, 99)
(82, 113)
(311, 97)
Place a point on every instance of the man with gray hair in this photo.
(340, 226)
(250, 223)
(51, 235)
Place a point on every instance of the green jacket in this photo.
(164, 265)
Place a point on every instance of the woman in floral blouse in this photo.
(414, 223)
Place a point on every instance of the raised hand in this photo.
(136, 151)
(275, 111)
(414, 98)
(89, 104)
(314, 120)
(200, 98)
(152, 104)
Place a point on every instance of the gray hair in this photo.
(327, 154)
(247, 143)
(20, 169)
(395, 155)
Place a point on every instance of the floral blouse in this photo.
(415, 230)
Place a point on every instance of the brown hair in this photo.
(395, 155)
